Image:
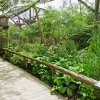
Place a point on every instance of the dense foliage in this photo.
(70, 41)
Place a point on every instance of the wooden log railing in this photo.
(81, 78)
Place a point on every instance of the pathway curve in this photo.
(16, 84)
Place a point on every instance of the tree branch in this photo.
(89, 7)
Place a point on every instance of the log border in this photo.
(79, 77)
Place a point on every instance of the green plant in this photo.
(15, 59)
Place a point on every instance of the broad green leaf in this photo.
(58, 81)
(62, 89)
(69, 92)
(67, 80)
(73, 86)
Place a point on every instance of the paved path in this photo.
(16, 84)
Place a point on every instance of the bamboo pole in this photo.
(79, 77)
(97, 16)
(41, 28)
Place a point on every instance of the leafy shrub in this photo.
(15, 59)
(36, 49)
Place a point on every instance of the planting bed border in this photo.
(81, 78)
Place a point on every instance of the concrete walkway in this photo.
(16, 84)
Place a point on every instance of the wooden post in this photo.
(97, 9)
(4, 24)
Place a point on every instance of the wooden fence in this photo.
(81, 78)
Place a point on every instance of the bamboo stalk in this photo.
(41, 28)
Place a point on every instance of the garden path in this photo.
(16, 84)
